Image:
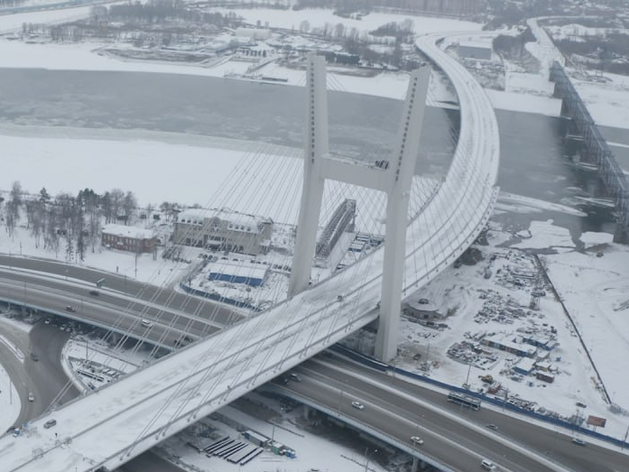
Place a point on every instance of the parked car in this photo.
(50, 423)
(17, 432)
(579, 442)
(417, 440)
(146, 323)
(357, 404)
(70, 308)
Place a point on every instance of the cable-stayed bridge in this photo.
(125, 418)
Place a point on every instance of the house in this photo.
(128, 238)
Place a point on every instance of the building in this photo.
(522, 350)
(239, 272)
(223, 230)
(543, 342)
(474, 50)
(128, 238)
(525, 366)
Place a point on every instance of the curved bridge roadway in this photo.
(161, 399)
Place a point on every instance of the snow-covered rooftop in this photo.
(238, 269)
(237, 221)
(128, 231)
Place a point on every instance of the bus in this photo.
(464, 400)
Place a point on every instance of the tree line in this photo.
(72, 223)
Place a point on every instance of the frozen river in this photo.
(534, 159)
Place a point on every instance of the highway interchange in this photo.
(328, 386)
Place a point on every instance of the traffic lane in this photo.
(20, 376)
(149, 462)
(166, 326)
(158, 295)
(444, 439)
(28, 289)
(47, 344)
(545, 441)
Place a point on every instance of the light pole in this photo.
(367, 457)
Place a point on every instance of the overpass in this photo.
(159, 400)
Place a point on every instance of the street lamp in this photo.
(367, 457)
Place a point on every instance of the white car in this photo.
(146, 323)
(358, 405)
(31, 397)
(417, 440)
(487, 465)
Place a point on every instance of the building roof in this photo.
(475, 44)
(238, 269)
(128, 231)
(236, 221)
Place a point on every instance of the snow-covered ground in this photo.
(13, 22)
(10, 404)
(593, 290)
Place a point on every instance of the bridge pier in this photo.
(594, 148)
(394, 177)
(621, 235)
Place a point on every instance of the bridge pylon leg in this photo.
(316, 146)
(402, 172)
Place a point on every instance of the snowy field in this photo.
(291, 19)
(594, 291)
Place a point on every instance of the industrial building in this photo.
(128, 238)
(223, 230)
(522, 350)
(239, 272)
(474, 50)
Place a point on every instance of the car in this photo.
(34, 357)
(146, 323)
(94, 293)
(17, 432)
(47, 321)
(31, 397)
(487, 464)
(50, 423)
(417, 440)
(357, 404)
(71, 309)
(579, 442)
(491, 426)
(295, 377)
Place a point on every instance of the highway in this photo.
(171, 313)
(399, 409)
(138, 291)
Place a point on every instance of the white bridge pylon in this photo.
(394, 178)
